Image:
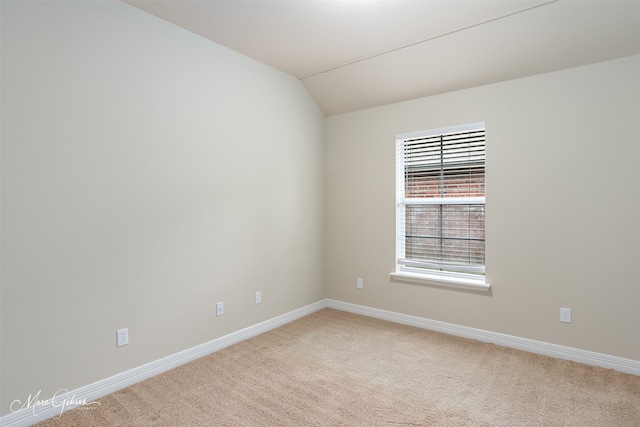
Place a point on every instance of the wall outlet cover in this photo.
(122, 337)
(565, 315)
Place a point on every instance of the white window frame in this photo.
(422, 274)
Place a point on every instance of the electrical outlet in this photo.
(565, 315)
(359, 283)
(122, 337)
(258, 297)
(219, 308)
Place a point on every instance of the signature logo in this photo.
(60, 399)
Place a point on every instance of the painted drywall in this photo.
(562, 215)
(147, 173)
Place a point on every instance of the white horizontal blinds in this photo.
(441, 199)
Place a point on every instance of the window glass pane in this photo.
(422, 228)
(463, 234)
(445, 233)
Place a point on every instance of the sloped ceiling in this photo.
(354, 54)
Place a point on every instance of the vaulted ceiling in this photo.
(354, 54)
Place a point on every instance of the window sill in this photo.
(437, 280)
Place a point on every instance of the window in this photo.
(440, 192)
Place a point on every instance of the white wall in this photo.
(147, 173)
(562, 216)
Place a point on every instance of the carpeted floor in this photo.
(339, 369)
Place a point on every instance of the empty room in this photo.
(306, 212)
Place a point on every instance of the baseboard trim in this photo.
(92, 392)
(628, 366)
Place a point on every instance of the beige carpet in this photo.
(334, 368)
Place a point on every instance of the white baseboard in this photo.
(568, 353)
(92, 392)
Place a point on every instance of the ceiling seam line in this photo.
(375, 55)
